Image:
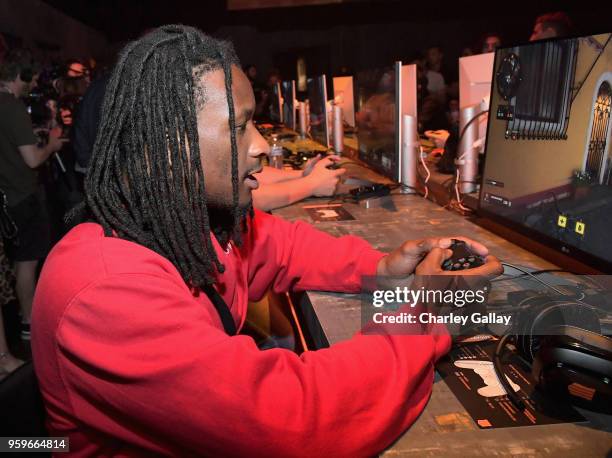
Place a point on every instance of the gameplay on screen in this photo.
(548, 164)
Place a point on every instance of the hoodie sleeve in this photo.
(296, 256)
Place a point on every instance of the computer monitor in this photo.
(548, 164)
(383, 97)
(289, 99)
(377, 118)
(276, 108)
(475, 74)
(319, 120)
(344, 97)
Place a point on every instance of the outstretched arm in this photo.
(289, 187)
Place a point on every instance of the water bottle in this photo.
(276, 153)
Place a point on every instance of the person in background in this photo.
(20, 155)
(8, 362)
(259, 90)
(273, 78)
(77, 69)
(250, 71)
(263, 108)
(551, 25)
(436, 86)
(467, 51)
(490, 42)
(86, 121)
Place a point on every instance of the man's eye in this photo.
(242, 127)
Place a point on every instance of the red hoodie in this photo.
(130, 363)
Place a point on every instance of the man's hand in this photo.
(429, 254)
(432, 263)
(55, 142)
(310, 163)
(402, 261)
(34, 155)
(323, 180)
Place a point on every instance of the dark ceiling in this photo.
(120, 20)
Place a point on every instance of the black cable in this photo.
(548, 285)
(474, 118)
(545, 271)
(501, 375)
(533, 272)
(461, 134)
(556, 202)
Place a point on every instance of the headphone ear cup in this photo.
(587, 338)
(574, 364)
(536, 321)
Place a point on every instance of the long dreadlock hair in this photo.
(146, 182)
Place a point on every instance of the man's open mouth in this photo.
(250, 179)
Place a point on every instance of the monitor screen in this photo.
(548, 167)
(377, 120)
(319, 123)
(275, 105)
(288, 93)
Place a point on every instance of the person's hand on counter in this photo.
(322, 180)
(285, 188)
(312, 162)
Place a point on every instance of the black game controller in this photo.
(462, 258)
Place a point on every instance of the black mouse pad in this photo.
(468, 371)
(330, 212)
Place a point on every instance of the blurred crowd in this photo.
(40, 178)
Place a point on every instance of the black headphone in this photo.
(577, 364)
(570, 358)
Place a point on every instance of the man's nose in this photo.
(259, 147)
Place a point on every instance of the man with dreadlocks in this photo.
(134, 345)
